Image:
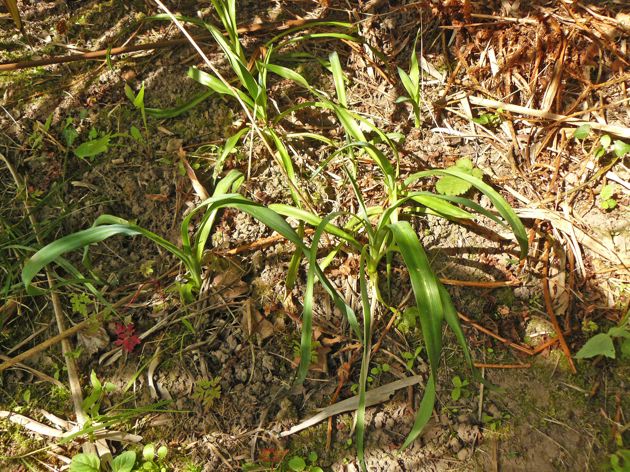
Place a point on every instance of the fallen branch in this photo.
(372, 397)
(103, 53)
(509, 343)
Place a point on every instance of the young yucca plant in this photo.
(386, 231)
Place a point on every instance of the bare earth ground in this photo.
(539, 416)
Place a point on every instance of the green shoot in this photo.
(411, 83)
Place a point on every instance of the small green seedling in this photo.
(582, 132)
(450, 185)
(151, 461)
(97, 144)
(69, 132)
(489, 119)
(459, 388)
(207, 391)
(36, 138)
(620, 461)
(411, 82)
(80, 302)
(606, 197)
(410, 358)
(138, 102)
(408, 320)
(92, 403)
(620, 148)
(375, 373)
(299, 464)
(494, 423)
(297, 350)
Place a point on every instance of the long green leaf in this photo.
(425, 287)
(230, 183)
(218, 86)
(313, 220)
(312, 24)
(365, 358)
(289, 74)
(307, 313)
(164, 113)
(339, 78)
(78, 240)
(274, 221)
(424, 412)
(497, 200)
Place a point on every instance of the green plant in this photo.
(620, 461)
(411, 82)
(105, 226)
(299, 464)
(207, 391)
(490, 119)
(384, 234)
(494, 423)
(95, 145)
(411, 357)
(606, 197)
(450, 185)
(151, 461)
(375, 372)
(80, 302)
(138, 101)
(603, 344)
(92, 403)
(460, 388)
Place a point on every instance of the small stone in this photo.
(467, 433)
(455, 445)
(493, 411)
(463, 454)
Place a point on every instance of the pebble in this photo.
(463, 454)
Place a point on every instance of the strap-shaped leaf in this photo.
(426, 289)
(78, 240)
(503, 207)
(423, 415)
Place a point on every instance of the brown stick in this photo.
(502, 366)
(102, 53)
(549, 308)
(481, 284)
(513, 345)
(59, 337)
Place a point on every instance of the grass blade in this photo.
(425, 288)
(339, 78)
(424, 412)
(497, 200)
(78, 240)
(164, 113)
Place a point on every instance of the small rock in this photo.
(493, 411)
(379, 420)
(173, 145)
(455, 445)
(467, 433)
(463, 454)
